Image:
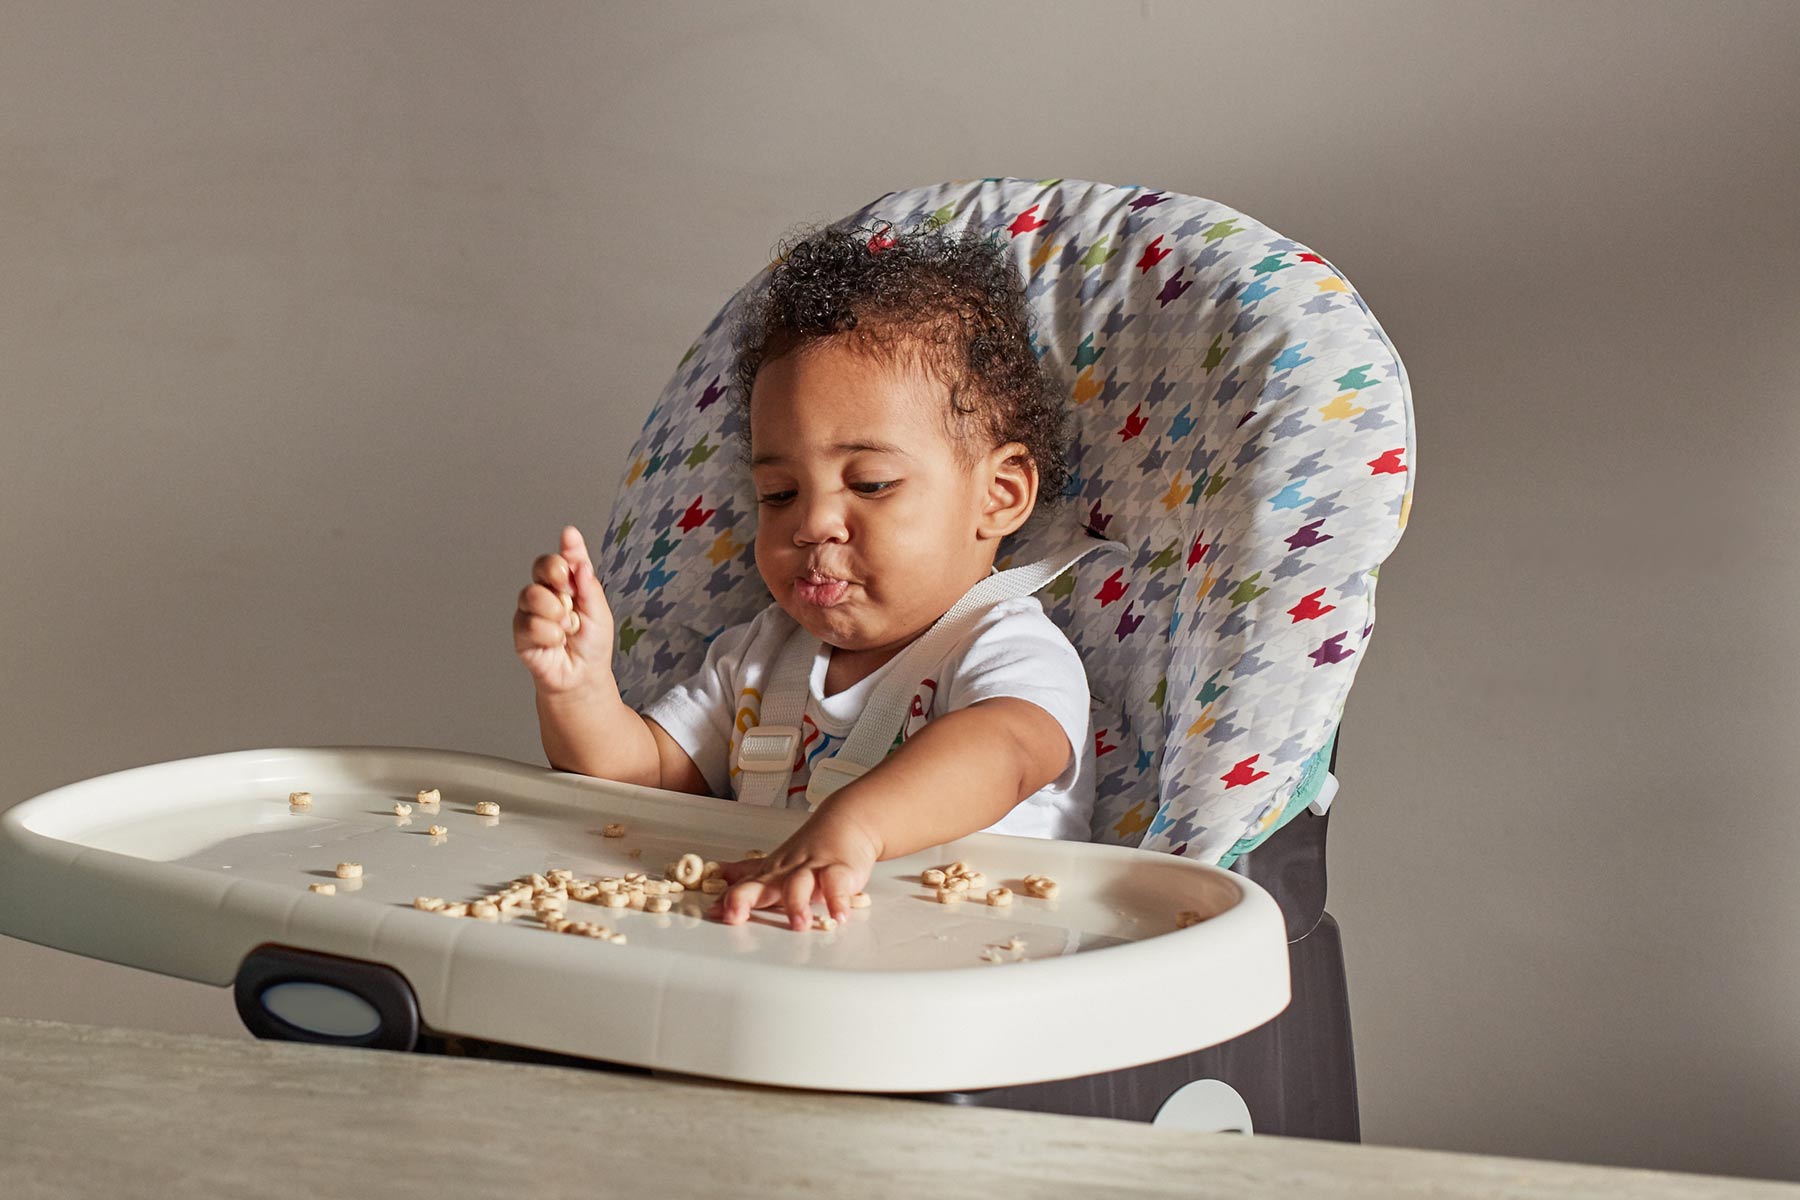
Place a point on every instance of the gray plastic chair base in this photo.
(1296, 1074)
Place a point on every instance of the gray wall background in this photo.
(319, 320)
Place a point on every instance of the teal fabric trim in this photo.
(1312, 778)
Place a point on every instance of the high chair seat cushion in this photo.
(1244, 429)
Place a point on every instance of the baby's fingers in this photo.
(836, 883)
(553, 571)
(797, 898)
(541, 621)
(736, 905)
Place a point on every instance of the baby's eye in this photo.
(874, 489)
(775, 497)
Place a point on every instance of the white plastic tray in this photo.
(185, 867)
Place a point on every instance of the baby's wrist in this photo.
(598, 692)
(844, 810)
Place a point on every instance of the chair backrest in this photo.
(1244, 428)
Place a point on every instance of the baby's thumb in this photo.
(574, 546)
(590, 599)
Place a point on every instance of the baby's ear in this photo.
(1011, 478)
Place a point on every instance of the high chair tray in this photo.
(186, 867)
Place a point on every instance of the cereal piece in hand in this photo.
(299, 799)
(428, 797)
(825, 923)
(860, 900)
(348, 870)
(615, 830)
(1186, 917)
(487, 808)
(324, 889)
(752, 855)
(999, 897)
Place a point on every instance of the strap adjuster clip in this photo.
(768, 748)
(830, 775)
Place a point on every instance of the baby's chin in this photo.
(834, 626)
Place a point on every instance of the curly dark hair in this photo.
(950, 301)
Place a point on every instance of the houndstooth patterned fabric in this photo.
(1244, 428)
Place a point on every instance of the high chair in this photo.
(1244, 431)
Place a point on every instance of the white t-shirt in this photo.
(1013, 649)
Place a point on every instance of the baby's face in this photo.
(869, 522)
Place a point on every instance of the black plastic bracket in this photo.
(382, 988)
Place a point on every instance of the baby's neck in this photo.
(848, 668)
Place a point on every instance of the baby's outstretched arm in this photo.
(959, 774)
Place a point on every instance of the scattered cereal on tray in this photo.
(487, 808)
(428, 903)
(860, 900)
(713, 886)
(429, 797)
(1186, 917)
(349, 870)
(402, 809)
(615, 830)
(299, 799)
(324, 889)
(825, 923)
(438, 831)
(948, 896)
(999, 897)
(1041, 886)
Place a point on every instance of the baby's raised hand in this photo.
(829, 858)
(563, 628)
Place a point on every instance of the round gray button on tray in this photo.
(321, 1008)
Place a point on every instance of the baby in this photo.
(899, 427)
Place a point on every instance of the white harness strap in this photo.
(766, 752)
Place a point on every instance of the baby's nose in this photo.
(821, 520)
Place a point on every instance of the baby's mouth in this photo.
(819, 589)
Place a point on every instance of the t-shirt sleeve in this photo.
(1019, 652)
(699, 711)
